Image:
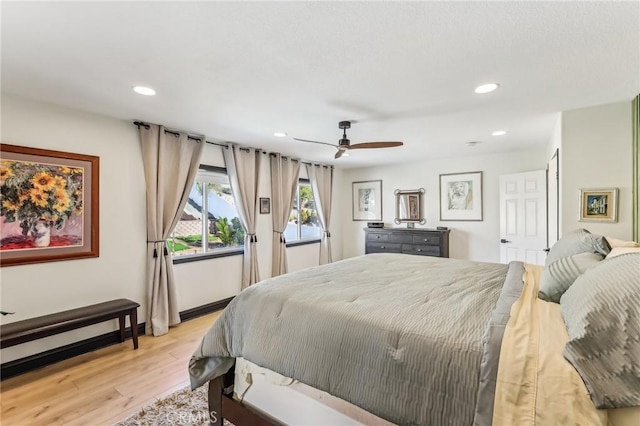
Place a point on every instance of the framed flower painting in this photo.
(48, 205)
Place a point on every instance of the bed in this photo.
(406, 339)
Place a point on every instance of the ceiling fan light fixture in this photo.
(145, 91)
(499, 133)
(486, 88)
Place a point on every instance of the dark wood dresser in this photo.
(420, 241)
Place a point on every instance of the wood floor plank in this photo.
(104, 386)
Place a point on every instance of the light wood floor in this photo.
(104, 386)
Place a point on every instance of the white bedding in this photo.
(274, 396)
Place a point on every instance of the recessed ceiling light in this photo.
(499, 133)
(146, 91)
(486, 88)
(280, 134)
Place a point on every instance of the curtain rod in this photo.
(176, 133)
(147, 126)
(295, 160)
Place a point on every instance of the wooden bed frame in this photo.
(223, 406)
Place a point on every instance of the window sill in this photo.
(207, 256)
(303, 242)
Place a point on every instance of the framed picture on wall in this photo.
(49, 205)
(367, 200)
(265, 205)
(598, 205)
(461, 196)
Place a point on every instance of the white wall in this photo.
(32, 290)
(119, 272)
(596, 153)
(468, 240)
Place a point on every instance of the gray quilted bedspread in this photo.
(398, 335)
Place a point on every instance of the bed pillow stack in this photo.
(619, 247)
(602, 313)
(570, 257)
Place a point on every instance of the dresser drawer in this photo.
(383, 248)
(426, 240)
(377, 237)
(421, 250)
(397, 237)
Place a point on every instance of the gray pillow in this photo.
(559, 275)
(575, 242)
(602, 313)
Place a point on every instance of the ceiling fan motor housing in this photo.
(344, 142)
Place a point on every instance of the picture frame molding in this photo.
(476, 214)
(585, 192)
(377, 214)
(90, 249)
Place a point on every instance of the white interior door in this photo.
(523, 217)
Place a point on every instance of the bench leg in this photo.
(133, 319)
(121, 321)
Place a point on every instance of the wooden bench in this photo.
(30, 329)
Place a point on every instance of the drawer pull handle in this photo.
(419, 249)
(378, 236)
(426, 239)
(382, 247)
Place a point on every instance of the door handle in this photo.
(546, 250)
(503, 241)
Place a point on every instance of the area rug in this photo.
(181, 408)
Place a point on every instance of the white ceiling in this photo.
(239, 71)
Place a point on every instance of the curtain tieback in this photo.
(155, 251)
(252, 238)
(328, 234)
(282, 239)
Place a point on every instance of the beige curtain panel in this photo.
(321, 178)
(243, 168)
(171, 161)
(284, 182)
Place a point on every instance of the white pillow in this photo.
(617, 251)
(614, 242)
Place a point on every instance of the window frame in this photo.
(305, 241)
(187, 258)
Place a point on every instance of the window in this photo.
(303, 221)
(209, 222)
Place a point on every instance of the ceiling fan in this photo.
(344, 144)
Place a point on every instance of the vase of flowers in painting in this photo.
(41, 233)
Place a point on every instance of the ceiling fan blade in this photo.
(375, 145)
(306, 140)
(339, 153)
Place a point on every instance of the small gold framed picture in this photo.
(598, 205)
